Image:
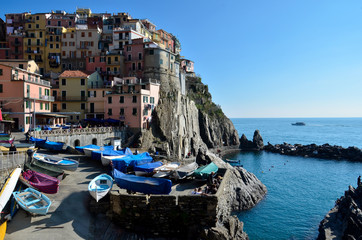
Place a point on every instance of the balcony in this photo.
(47, 98)
(82, 47)
(15, 44)
(71, 99)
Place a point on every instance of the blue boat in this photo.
(100, 186)
(121, 164)
(54, 146)
(146, 168)
(108, 151)
(39, 143)
(63, 163)
(32, 201)
(81, 148)
(146, 185)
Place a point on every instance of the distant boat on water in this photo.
(298, 124)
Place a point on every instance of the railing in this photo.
(72, 98)
(83, 47)
(58, 132)
(39, 81)
(47, 98)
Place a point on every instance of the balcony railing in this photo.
(75, 98)
(83, 47)
(47, 98)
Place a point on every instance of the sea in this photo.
(301, 190)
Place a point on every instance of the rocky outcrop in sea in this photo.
(344, 221)
(256, 144)
(324, 151)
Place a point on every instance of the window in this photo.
(37, 26)
(41, 34)
(145, 111)
(134, 111)
(64, 35)
(145, 99)
(29, 25)
(26, 104)
(64, 81)
(50, 45)
(82, 106)
(151, 52)
(90, 34)
(1, 72)
(1, 88)
(57, 45)
(134, 99)
(121, 111)
(64, 106)
(72, 35)
(116, 59)
(41, 106)
(37, 17)
(82, 82)
(109, 111)
(129, 57)
(140, 56)
(121, 99)
(133, 66)
(139, 66)
(63, 55)
(40, 92)
(83, 34)
(109, 99)
(95, 93)
(129, 48)
(47, 106)
(152, 100)
(20, 66)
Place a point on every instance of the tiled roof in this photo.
(73, 73)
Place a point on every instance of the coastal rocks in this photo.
(231, 229)
(344, 221)
(325, 151)
(256, 144)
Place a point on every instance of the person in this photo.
(210, 178)
(27, 136)
(12, 148)
(136, 152)
(359, 181)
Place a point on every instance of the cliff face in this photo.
(180, 125)
(344, 221)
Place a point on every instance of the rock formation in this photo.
(256, 144)
(324, 151)
(344, 221)
(180, 125)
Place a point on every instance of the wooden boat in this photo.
(204, 171)
(63, 163)
(8, 187)
(166, 170)
(32, 201)
(100, 186)
(185, 171)
(147, 168)
(146, 185)
(40, 181)
(47, 169)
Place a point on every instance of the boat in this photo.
(90, 146)
(298, 124)
(39, 143)
(100, 186)
(54, 146)
(106, 156)
(47, 169)
(231, 160)
(63, 163)
(166, 170)
(185, 171)
(40, 181)
(6, 139)
(20, 147)
(109, 151)
(3, 227)
(32, 201)
(147, 168)
(9, 187)
(124, 162)
(146, 185)
(204, 171)
(89, 149)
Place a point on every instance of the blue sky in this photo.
(261, 58)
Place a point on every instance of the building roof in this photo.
(73, 74)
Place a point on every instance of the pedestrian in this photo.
(27, 136)
(12, 148)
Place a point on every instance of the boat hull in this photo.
(47, 169)
(62, 163)
(39, 181)
(8, 187)
(32, 201)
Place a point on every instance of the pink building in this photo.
(132, 101)
(61, 19)
(134, 58)
(96, 63)
(21, 94)
(187, 65)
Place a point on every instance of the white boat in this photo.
(166, 170)
(185, 171)
(100, 186)
(88, 151)
(8, 188)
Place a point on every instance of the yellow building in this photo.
(53, 48)
(34, 39)
(114, 64)
(73, 89)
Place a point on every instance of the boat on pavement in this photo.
(32, 201)
(63, 163)
(8, 187)
(100, 186)
(147, 168)
(107, 156)
(185, 171)
(166, 170)
(124, 162)
(42, 182)
(47, 169)
(204, 171)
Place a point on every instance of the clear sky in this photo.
(260, 58)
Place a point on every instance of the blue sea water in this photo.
(300, 190)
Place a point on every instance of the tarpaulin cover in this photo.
(108, 151)
(146, 185)
(80, 148)
(131, 160)
(204, 171)
(148, 167)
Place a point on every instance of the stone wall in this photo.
(166, 215)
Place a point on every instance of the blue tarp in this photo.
(108, 151)
(144, 185)
(121, 164)
(204, 171)
(53, 146)
(80, 148)
(39, 143)
(148, 167)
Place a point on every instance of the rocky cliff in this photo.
(344, 221)
(183, 124)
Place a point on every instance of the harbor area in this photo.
(74, 214)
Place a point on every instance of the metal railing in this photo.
(59, 132)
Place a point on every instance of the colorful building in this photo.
(132, 101)
(24, 94)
